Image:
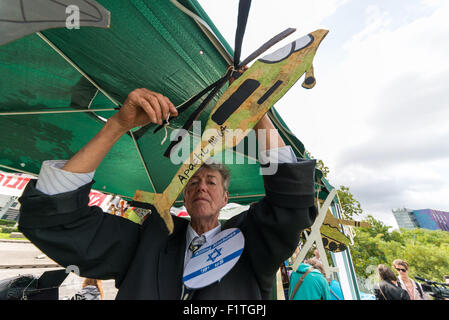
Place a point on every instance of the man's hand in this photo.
(140, 108)
(143, 106)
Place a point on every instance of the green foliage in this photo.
(8, 229)
(426, 251)
(350, 206)
(4, 222)
(7, 236)
(322, 167)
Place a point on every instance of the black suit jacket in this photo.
(147, 263)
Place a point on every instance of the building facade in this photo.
(423, 218)
(432, 219)
(405, 218)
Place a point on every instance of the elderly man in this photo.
(145, 261)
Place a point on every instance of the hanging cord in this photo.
(185, 105)
(165, 128)
(350, 232)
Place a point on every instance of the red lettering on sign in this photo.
(24, 183)
(8, 178)
(96, 199)
(15, 184)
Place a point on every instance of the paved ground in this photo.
(14, 255)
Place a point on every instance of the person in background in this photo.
(285, 279)
(308, 282)
(413, 288)
(387, 288)
(317, 254)
(334, 285)
(92, 289)
(112, 209)
(123, 207)
(335, 289)
(289, 272)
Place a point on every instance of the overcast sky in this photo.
(379, 114)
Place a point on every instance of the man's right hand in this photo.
(143, 106)
(140, 108)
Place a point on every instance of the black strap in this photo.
(419, 289)
(191, 101)
(139, 133)
(244, 6)
(334, 294)
(300, 281)
(267, 45)
(188, 124)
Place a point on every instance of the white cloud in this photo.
(267, 18)
(378, 114)
(376, 21)
(378, 118)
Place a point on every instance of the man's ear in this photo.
(226, 195)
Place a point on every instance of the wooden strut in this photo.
(315, 236)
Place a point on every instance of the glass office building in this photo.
(423, 218)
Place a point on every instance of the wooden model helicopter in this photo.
(241, 106)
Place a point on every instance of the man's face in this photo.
(402, 271)
(204, 195)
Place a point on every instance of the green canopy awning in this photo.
(149, 44)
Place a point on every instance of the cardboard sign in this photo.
(13, 184)
(214, 259)
(96, 198)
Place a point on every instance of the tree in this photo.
(426, 251)
(322, 167)
(350, 206)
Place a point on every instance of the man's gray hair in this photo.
(221, 168)
(224, 172)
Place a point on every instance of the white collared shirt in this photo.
(416, 295)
